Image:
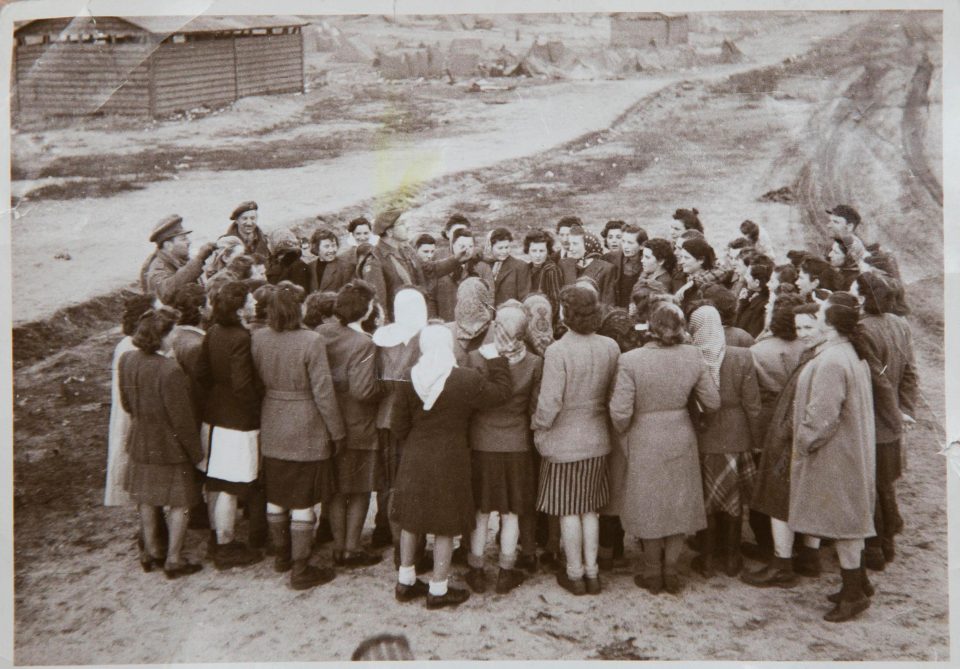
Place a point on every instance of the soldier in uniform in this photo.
(170, 265)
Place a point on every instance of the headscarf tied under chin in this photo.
(539, 333)
(473, 312)
(410, 312)
(508, 330)
(435, 364)
(707, 331)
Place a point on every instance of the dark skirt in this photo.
(230, 487)
(728, 480)
(504, 482)
(163, 485)
(432, 494)
(571, 488)
(359, 471)
(889, 464)
(299, 485)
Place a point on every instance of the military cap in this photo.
(168, 228)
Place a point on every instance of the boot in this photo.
(703, 563)
(865, 585)
(732, 561)
(671, 580)
(235, 554)
(508, 579)
(453, 597)
(777, 574)
(477, 580)
(852, 598)
(303, 575)
(279, 527)
(651, 579)
(807, 562)
(873, 555)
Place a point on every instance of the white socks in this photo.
(407, 575)
(437, 588)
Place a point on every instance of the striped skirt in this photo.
(571, 488)
(728, 481)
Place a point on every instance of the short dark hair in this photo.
(577, 231)
(667, 324)
(782, 324)
(152, 327)
(761, 269)
(353, 300)
(690, 218)
(644, 296)
(701, 250)
(462, 232)
(324, 233)
(739, 243)
(283, 308)
(875, 291)
(456, 219)
(581, 309)
(262, 296)
(133, 308)
(611, 225)
(538, 236)
(569, 222)
(787, 275)
(797, 256)
(750, 230)
(500, 235)
(356, 223)
(226, 301)
(662, 250)
(188, 299)
(618, 325)
(318, 307)
(633, 229)
(821, 270)
(425, 238)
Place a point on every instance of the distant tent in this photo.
(729, 53)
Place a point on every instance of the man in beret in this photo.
(844, 219)
(170, 265)
(245, 228)
(393, 263)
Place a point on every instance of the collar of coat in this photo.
(170, 259)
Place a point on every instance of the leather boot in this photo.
(508, 579)
(732, 530)
(303, 575)
(279, 527)
(807, 562)
(703, 563)
(777, 574)
(852, 600)
(865, 585)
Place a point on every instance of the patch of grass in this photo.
(73, 190)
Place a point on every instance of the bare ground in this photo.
(76, 576)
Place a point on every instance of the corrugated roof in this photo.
(168, 25)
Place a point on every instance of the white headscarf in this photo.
(436, 362)
(410, 312)
(707, 331)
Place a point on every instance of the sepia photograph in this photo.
(611, 334)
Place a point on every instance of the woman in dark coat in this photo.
(545, 275)
(751, 312)
(585, 259)
(353, 363)
(300, 428)
(285, 262)
(231, 409)
(659, 262)
(163, 442)
(433, 492)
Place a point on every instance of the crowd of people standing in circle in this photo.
(594, 388)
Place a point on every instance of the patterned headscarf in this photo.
(281, 240)
(474, 311)
(707, 331)
(539, 322)
(508, 329)
(592, 245)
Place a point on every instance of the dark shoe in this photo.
(755, 552)
(282, 562)
(777, 574)
(234, 554)
(508, 579)
(381, 537)
(304, 576)
(148, 564)
(528, 562)
(453, 597)
(593, 585)
(865, 586)
(873, 558)
(703, 565)
(477, 580)
(577, 587)
(888, 546)
(852, 599)
(357, 559)
(179, 570)
(652, 584)
(408, 593)
(672, 584)
(807, 562)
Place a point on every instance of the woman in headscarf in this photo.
(729, 436)
(504, 478)
(285, 263)
(163, 442)
(585, 258)
(847, 255)
(571, 432)
(663, 493)
(540, 322)
(433, 492)
(245, 228)
(398, 349)
(228, 248)
(473, 315)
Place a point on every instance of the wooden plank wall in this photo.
(269, 64)
(190, 74)
(77, 79)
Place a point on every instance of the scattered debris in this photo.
(783, 195)
(63, 255)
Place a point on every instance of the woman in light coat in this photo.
(663, 495)
(832, 473)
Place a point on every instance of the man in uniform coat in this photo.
(170, 265)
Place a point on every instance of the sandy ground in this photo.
(718, 145)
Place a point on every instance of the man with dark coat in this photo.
(393, 264)
(511, 276)
(244, 227)
(170, 265)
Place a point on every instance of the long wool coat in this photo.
(663, 493)
(512, 282)
(299, 417)
(833, 469)
(117, 457)
(734, 427)
(231, 395)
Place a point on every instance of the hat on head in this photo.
(385, 220)
(168, 228)
(846, 212)
(242, 208)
